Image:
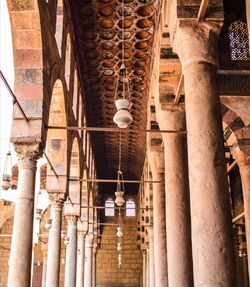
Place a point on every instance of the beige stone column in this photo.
(54, 244)
(88, 260)
(44, 271)
(95, 248)
(147, 266)
(151, 257)
(70, 267)
(21, 244)
(178, 221)
(242, 155)
(156, 162)
(80, 258)
(212, 245)
(144, 268)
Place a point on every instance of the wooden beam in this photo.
(117, 130)
(231, 166)
(178, 90)
(236, 218)
(203, 9)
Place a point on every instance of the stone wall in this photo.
(5, 242)
(108, 274)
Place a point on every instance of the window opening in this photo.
(130, 207)
(109, 207)
(238, 40)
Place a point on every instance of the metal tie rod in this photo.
(103, 129)
(15, 101)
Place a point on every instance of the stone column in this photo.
(144, 268)
(70, 267)
(44, 271)
(212, 245)
(95, 248)
(178, 221)
(151, 257)
(54, 244)
(80, 259)
(21, 244)
(147, 266)
(242, 155)
(88, 260)
(156, 161)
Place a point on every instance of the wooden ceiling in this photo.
(98, 32)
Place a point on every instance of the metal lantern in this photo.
(48, 223)
(119, 232)
(119, 190)
(6, 178)
(123, 117)
(119, 246)
(39, 205)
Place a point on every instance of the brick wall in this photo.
(108, 274)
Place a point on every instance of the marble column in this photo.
(21, 244)
(54, 244)
(151, 257)
(178, 221)
(80, 259)
(242, 155)
(70, 267)
(212, 245)
(156, 161)
(88, 260)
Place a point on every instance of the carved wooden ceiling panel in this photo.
(98, 28)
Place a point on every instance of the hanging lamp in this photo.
(123, 117)
(120, 188)
(6, 177)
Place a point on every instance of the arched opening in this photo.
(109, 207)
(130, 207)
(56, 138)
(68, 60)
(59, 26)
(74, 184)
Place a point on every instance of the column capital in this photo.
(89, 240)
(156, 160)
(31, 151)
(172, 117)
(82, 227)
(71, 219)
(56, 198)
(241, 153)
(196, 41)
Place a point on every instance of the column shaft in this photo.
(151, 258)
(212, 245)
(147, 268)
(80, 260)
(70, 267)
(160, 245)
(54, 245)
(144, 269)
(44, 271)
(88, 261)
(245, 180)
(21, 244)
(178, 221)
